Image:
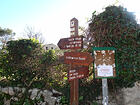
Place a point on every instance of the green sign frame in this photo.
(100, 49)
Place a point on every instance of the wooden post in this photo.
(74, 84)
(74, 90)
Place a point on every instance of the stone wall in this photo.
(125, 96)
(129, 96)
(15, 93)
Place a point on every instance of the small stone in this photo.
(44, 103)
(33, 93)
(20, 95)
(39, 95)
(14, 98)
(17, 89)
(6, 102)
(56, 92)
(11, 91)
(23, 90)
(5, 90)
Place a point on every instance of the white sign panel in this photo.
(105, 70)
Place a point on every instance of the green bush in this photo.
(24, 63)
(116, 27)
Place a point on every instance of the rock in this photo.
(17, 89)
(6, 102)
(39, 95)
(11, 91)
(44, 103)
(137, 84)
(23, 90)
(131, 95)
(14, 98)
(5, 90)
(48, 97)
(20, 95)
(33, 93)
(56, 93)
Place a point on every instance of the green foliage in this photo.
(49, 57)
(2, 95)
(20, 49)
(23, 63)
(94, 103)
(64, 101)
(89, 91)
(27, 102)
(5, 31)
(116, 27)
(20, 101)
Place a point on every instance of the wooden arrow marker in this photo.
(78, 58)
(78, 72)
(75, 42)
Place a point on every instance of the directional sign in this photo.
(75, 42)
(78, 58)
(77, 73)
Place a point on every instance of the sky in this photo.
(52, 17)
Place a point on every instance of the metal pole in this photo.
(105, 91)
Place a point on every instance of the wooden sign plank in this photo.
(78, 73)
(75, 42)
(78, 58)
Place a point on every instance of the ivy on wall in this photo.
(116, 27)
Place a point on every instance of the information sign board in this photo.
(104, 62)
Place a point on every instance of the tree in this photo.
(5, 35)
(23, 62)
(85, 33)
(31, 33)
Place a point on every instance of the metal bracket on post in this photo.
(105, 91)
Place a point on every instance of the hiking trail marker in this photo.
(78, 73)
(78, 58)
(79, 61)
(74, 42)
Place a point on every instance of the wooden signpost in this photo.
(79, 61)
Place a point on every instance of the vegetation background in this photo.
(25, 63)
